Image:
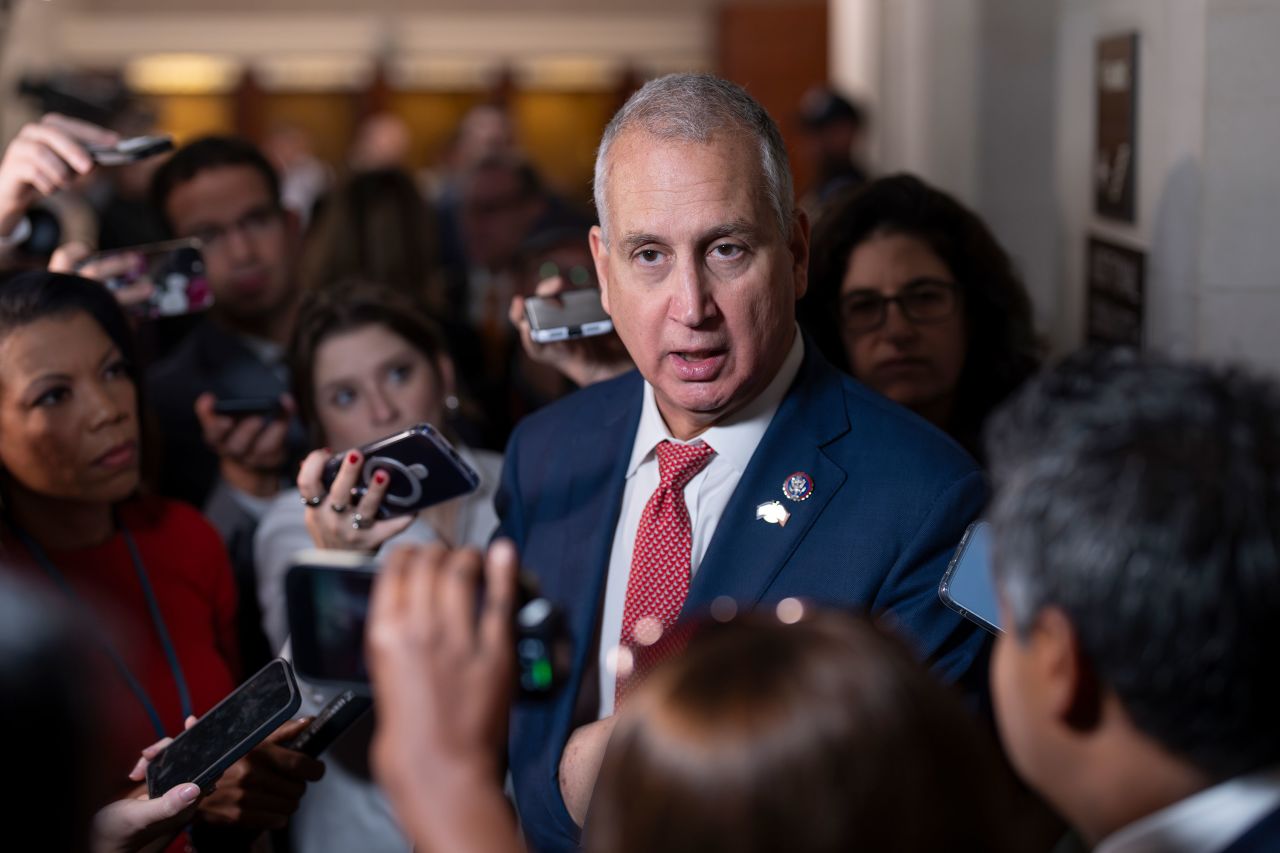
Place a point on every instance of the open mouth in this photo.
(698, 365)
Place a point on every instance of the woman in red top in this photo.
(150, 575)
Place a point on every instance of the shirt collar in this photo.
(735, 439)
(1203, 823)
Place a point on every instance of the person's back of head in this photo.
(1137, 520)
(376, 226)
(822, 735)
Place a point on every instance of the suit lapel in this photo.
(597, 480)
(745, 554)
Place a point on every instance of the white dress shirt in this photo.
(706, 495)
(1207, 822)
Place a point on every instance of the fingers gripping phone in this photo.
(228, 731)
(423, 467)
(130, 150)
(327, 597)
(968, 587)
(572, 314)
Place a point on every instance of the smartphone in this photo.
(423, 467)
(327, 599)
(572, 314)
(243, 407)
(228, 731)
(340, 714)
(968, 587)
(130, 150)
(175, 269)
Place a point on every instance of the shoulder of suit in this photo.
(878, 423)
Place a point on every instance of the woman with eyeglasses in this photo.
(911, 293)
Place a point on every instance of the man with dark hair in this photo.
(1137, 554)
(224, 191)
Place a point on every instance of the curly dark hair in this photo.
(1003, 349)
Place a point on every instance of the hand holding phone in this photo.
(228, 731)
(126, 151)
(156, 280)
(582, 360)
(45, 156)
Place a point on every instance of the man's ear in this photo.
(1073, 690)
(600, 255)
(799, 246)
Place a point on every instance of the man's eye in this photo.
(727, 251)
(649, 256)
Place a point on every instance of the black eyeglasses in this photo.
(922, 301)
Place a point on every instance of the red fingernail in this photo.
(353, 458)
(380, 478)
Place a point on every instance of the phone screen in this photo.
(968, 587)
(328, 606)
(175, 269)
(228, 731)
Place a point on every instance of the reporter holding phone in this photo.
(366, 363)
(150, 574)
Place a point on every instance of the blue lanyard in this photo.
(171, 654)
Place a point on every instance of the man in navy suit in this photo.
(1136, 534)
(805, 486)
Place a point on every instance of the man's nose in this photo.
(692, 303)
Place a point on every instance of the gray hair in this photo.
(693, 108)
(1141, 498)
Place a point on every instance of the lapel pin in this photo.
(773, 512)
(798, 487)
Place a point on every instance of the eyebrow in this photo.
(111, 353)
(390, 361)
(732, 228)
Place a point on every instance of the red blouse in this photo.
(191, 577)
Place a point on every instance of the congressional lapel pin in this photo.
(773, 512)
(798, 487)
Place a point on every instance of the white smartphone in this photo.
(572, 314)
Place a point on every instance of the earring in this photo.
(452, 404)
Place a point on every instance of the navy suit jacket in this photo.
(891, 499)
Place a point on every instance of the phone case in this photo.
(327, 600)
(253, 706)
(424, 469)
(978, 587)
(575, 314)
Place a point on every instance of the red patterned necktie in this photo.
(660, 563)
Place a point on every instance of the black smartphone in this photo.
(340, 714)
(243, 407)
(228, 731)
(130, 150)
(175, 269)
(423, 467)
(571, 314)
(967, 586)
(327, 599)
